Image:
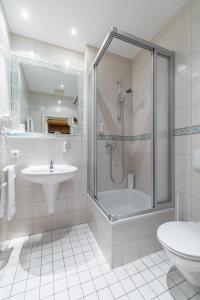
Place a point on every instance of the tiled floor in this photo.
(68, 264)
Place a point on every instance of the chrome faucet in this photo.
(51, 165)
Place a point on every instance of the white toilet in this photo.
(181, 241)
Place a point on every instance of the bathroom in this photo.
(99, 149)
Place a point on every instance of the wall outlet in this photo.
(15, 153)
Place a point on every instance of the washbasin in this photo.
(49, 176)
(44, 175)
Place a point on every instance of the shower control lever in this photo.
(110, 146)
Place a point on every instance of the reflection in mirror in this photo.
(48, 99)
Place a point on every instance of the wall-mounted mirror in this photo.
(46, 99)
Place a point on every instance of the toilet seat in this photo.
(181, 238)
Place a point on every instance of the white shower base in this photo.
(124, 202)
(128, 238)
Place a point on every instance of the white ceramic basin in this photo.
(43, 175)
(50, 180)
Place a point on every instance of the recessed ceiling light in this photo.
(67, 63)
(73, 31)
(62, 86)
(59, 102)
(58, 109)
(25, 14)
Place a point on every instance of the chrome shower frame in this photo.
(155, 50)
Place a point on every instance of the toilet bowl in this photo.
(181, 242)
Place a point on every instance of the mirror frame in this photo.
(15, 62)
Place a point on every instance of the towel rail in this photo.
(5, 183)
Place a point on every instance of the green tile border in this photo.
(140, 137)
(187, 130)
(147, 136)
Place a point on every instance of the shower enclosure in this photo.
(130, 127)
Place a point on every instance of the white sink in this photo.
(43, 175)
(49, 179)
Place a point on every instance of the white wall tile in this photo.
(70, 205)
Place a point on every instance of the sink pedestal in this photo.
(50, 180)
(50, 193)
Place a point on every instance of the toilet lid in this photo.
(182, 237)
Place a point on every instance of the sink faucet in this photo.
(51, 165)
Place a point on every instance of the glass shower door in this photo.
(163, 130)
(130, 126)
(91, 119)
(124, 129)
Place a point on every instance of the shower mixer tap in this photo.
(110, 146)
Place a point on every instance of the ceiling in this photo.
(46, 81)
(52, 20)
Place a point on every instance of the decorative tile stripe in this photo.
(187, 131)
(177, 132)
(140, 137)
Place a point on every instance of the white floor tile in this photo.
(46, 290)
(125, 297)
(165, 267)
(110, 278)
(130, 269)
(100, 283)
(157, 287)
(156, 271)
(17, 297)
(60, 285)
(46, 278)
(196, 297)
(177, 293)
(147, 275)
(138, 280)
(18, 288)
(72, 280)
(7, 279)
(140, 266)
(32, 283)
(105, 294)
(166, 296)
(62, 295)
(128, 285)
(121, 273)
(5, 292)
(135, 295)
(75, 292)
(156, 258)
(117, 290)
(147, 292)
(20, 276)
(88, 288)
(92, 297)
(95, 272)
(84, 276)
(175, 277)
(148, 261)
(166, 282)
(32, 294)
(67, 264)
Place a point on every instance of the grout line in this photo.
(80, 236)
